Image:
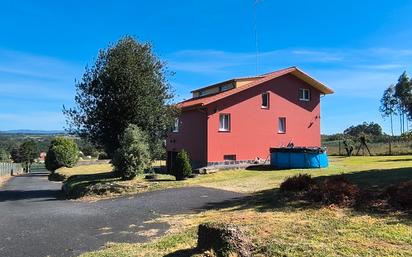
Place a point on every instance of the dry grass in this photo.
(279, 227)
(3, 180)
(85, 169)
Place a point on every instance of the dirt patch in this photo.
(4, 179)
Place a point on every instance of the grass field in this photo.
(282, 228)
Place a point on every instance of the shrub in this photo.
(336, 190)
(182, 168)
(300, 182)
(133, 155)
(63, 152)
(103, 156)
(401, 195)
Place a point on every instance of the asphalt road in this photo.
(36, 222)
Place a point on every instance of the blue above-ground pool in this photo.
(298, 157)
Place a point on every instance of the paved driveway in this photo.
(34, 221)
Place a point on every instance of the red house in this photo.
(238, 120)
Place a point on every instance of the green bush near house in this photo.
(63, 152)
(182, 168)
(133, 155)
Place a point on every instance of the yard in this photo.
(280, 227)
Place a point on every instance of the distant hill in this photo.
(33, 132)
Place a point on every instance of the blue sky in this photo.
(356, 47)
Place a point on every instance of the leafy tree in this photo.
(15, 155)
(126, 85)
(133, 155)
(403, 92)
(349, 146)
(371, 129)
(28, 152)
(389, 104)
(182, 168)
(4, 155)
(63, 152)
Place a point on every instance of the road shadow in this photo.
(15, 195)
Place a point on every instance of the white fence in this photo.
(7, 168)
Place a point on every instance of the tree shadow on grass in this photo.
(375, 181)
(184, 253)
(395, 160)
(377, 178)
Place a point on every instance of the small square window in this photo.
(229, 157)
(265, 100)
(175, 127)
(224, 122)
(282, 125)
(304, 94)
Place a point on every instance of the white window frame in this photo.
(282, 127)
(175, 127)
(267, 100)
(223, 118)
(302, 94)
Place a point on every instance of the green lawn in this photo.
(282, 228)
(365, 171)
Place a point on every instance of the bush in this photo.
(182, 168)
(133, 155)
(103, 156)
(300, 182)
(63, 152)
(336, 190)
(401, 195)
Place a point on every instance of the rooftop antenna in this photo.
(256, 2)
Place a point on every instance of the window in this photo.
(282, 125)
(304, 94)
(201, 93)
(224, 122)
(175, 127)
(226, 87)
(229, 157)
(265, 100)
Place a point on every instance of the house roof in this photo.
(202, 101)
(227, 82)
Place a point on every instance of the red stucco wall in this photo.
(254, 130)
(191, 137)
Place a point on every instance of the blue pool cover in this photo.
(298, 157)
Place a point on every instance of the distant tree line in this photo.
(397, 101)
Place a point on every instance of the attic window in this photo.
(265, 100)
(226, 87)
(304, 94)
